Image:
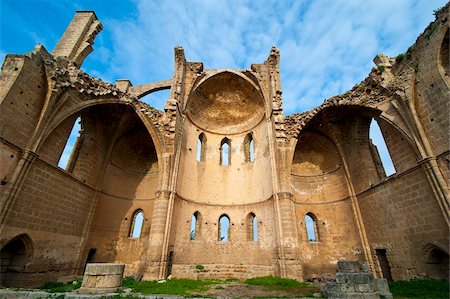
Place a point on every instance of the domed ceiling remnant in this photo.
(225, 104)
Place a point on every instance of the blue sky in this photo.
(326, 46)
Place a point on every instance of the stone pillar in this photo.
(289, 238)
(76, 42)
(102, 278)
(156, 238)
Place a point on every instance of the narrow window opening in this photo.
(384, 263)
(252, 150)
(252, 227)
(136, 224)
(195, 226)
(201, 147)
(311, 227)
(71, 146)
(225, 152)
(249, 148)
(199, 150)
(255, 229)
(380, 145)
(224, 228)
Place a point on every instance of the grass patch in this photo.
(200, 267)
(271, 281)
(172, 287)
(418, 288)
(59, 287)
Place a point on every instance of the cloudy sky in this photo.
(326, 46)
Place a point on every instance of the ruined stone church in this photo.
(221, 183)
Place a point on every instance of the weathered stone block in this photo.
(365, 288)
(348, 287)
(104, 269)
(102, 278)
(382, 286)
(353, 277)
(352, 266)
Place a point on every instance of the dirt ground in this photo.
(238, 290)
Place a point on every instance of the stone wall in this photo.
(131, 157)
(404, 218)
(240, 251)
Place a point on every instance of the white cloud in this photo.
(326, 46)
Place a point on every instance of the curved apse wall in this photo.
(225, 106)
(317, 175)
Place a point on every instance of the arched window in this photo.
(73, 143)
(136, 224)
(311, 227)
(378, 141)
(224, 228)
(252, 227)
(196, 221)
(201, 147)
(249, 148)
(225, 152)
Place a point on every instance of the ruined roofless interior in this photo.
(222, 178)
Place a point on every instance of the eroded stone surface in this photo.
(102, 278)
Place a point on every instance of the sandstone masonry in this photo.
(221, 183)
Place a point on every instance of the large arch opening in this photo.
(436, 262)
(13, 258)
(444, 63)
(317, 174)
(119, 155)
(130, 181)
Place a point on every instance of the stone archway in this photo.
(436, 261)
(13, 258)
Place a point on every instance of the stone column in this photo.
(155, 258)
(102, 278)
(76, 42)
(289, 239)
